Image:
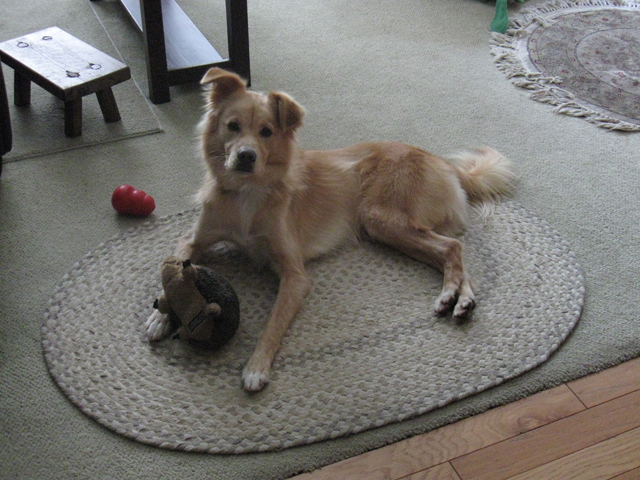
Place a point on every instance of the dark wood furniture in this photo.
(67, 68)
(177, 52)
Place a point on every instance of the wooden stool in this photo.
(67, 68)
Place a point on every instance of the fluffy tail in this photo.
(484, 174)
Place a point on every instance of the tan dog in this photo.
(289, 205)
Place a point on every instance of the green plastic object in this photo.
(501, 19)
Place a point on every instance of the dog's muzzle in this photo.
(246, 159)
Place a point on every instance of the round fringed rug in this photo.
(583, 56)
(364, 351)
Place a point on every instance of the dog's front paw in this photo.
(255, 376)
(157, 326)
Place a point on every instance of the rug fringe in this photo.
(504, 48)
(555, 5)
(537, 13)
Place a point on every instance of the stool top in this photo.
(62, 64)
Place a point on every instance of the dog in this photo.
(287, 205)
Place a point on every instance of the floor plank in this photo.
(599, 462)
(630, 475)
(608, 384)
(439, 472)
(441, 445)
(551, 442)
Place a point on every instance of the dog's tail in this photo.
(485, 174)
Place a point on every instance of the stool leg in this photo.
(73, 117)
(22, 90)
(108, 105)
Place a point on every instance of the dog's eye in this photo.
(233, 126)
(266, 132)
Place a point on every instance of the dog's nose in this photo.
(246, 159)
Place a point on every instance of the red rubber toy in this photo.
(129, 201)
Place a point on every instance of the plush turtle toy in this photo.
(200, 303)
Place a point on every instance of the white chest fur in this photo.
(246, 204)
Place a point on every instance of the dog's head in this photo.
(248, 137)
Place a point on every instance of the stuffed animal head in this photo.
(178, 272)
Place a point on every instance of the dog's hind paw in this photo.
(446, 301)
(157, 326)
(464, 307)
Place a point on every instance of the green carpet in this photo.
(418, 71)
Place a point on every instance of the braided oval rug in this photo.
(364, 351)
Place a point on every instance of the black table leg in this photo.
(153, 31)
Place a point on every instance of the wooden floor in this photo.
(585, 429)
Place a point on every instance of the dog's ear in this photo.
(287, 112)
(224, 83)
(189, 271)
